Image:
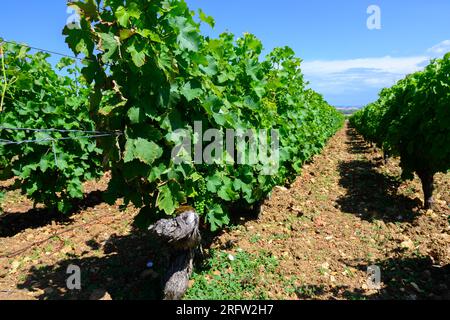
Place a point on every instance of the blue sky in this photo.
(343, 59)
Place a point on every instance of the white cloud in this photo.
(360, 74)
(365, 65)
(440, 48)
(339, 77)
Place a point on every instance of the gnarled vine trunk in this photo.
(427, 178)
(180, 237)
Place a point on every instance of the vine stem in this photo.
(5, 84)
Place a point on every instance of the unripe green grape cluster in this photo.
(201, 201)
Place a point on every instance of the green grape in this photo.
(200, 206)
(200, 202)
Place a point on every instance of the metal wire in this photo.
(57, 130)
(50, 51)
(45, 50)
(9, 142)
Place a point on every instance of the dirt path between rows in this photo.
(347, 211)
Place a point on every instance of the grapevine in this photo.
(410, 120)
(51, 166)
(159, 74)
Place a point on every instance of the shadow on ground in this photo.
(12, 223)
(371, 194)
(355, 143)
(120, 269)
(401, 279)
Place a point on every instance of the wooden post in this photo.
(180, 237)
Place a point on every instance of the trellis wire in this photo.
(9, 142)
(53, 141)
(59, 130)
(49, 51)
(93, 134)
(44, 50)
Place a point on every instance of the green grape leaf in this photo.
(145, 151)
(207, 19)
(109, 44)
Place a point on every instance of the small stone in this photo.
(408, 244)
(416, 287)
(100, 294)
(15, 265)
(66, 249)
(297, 210)
(49, 290)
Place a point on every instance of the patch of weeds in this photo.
(22, 277)
(289, 285)
(354, 296)
(364, 238)
(2, 196)
(328, 181)
(361, 157)
(306, 218)
(69, 243)
(35, 254)
(48, 248)
(236, 228)
(293, 219)
(410, 191)
(348, 272)
(377, 226)
(222, 278)
(279, 236)
(255, 238)
(309, 291)
(323, 271)
(40, 267)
